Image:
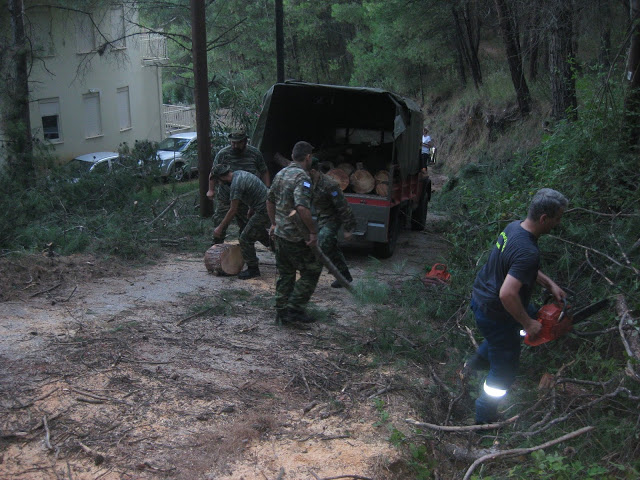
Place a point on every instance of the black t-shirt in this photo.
(515, 253)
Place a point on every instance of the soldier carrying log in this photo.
(244, 189)
(333, 211)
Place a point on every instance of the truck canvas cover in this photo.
(329, 115)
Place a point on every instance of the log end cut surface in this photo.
(224, 258)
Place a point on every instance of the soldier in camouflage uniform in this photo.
(247, 189)
(291, 190)
(239, 156)
(332, 212)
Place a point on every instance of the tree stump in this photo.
(224, 259)
(361, 180)
(339, 176)
(382, 183)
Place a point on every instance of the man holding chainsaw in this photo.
(501, 294)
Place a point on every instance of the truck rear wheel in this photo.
(419, 214)
(386, 249)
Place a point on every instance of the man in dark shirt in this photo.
(501, 294)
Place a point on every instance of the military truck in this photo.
(360, 129)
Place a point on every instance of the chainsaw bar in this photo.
(589, 310)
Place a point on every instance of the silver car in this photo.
(172, 159)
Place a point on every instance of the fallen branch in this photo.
(195, 315)
(45, 291)
(98, 458)
(167, 208)
(464, 428)
(631, 345)
(522, 451)
(613, 260)
(47, 434)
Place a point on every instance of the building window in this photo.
(124, 109)
(50, 114)
(85, 34)
(117, 30)
(92, 120)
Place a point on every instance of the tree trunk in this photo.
(468, 39)
(563, 86)
(18, 118)
(632, 100)
(533, 44)
(279, 41)
(514, 56)
(201, 90)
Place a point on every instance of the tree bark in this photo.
(563, 85)
(18, 117)
(201, 90)
(514, 56)
(467, 26)
(279, 41)
(632, 100)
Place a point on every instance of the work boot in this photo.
(346, 275)
(290, 318)
(473, 365)
(250, 272)
(298, 316)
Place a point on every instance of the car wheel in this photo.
(386, 249)
(178, 172)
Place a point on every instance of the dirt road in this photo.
(110, 371)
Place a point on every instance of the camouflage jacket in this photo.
(330, 204)
(250, 160)
(249, 189)
(291, 188)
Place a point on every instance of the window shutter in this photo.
(124, 110)
(92, 121)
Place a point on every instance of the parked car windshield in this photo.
(79, 167)
(173, 144)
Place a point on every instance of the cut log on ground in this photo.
(362, 181)
(224, 259)
(339, 176)
(382, 183)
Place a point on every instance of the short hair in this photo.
(301, 150)
(546, 201)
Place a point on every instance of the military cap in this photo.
(220, 170)
(238, 136)
(315, 163)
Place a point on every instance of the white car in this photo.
(98, 162)
(172, 161)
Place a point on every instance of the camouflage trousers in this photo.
(328, 243)
(256, 230)
(222, 206)
(292, 257)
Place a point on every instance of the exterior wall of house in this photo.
(80, 86)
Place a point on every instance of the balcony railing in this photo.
(178, 118)
(153, 47)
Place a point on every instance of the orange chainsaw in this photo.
(558, 320)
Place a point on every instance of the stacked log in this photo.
(224, 259)
(339, 176)
(382, 183)
(347, 167)
(361, 180)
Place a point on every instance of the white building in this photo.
(96, 81)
